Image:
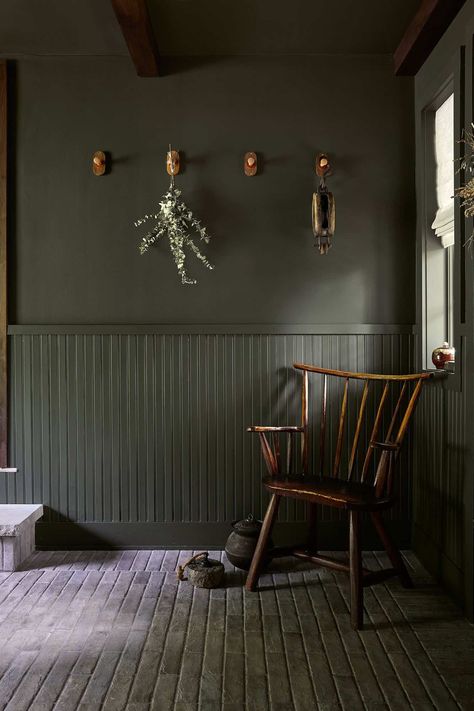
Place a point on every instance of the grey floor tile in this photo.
(115, 630)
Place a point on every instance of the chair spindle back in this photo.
(388, 442)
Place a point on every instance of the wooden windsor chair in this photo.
(371, 492)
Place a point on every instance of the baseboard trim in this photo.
(332, 535)
(438, 564)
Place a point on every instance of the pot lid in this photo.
(247, 526)
(203, 561)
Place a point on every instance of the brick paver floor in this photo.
(115, 630)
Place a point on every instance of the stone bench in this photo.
(17, 533)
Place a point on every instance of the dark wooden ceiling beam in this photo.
(137, 30)
(423, 34)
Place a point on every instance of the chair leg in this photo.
(355, 564)
(259, 555)
(312, 538)
(392, 551)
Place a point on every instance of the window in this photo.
(443, 224)
(439, 230)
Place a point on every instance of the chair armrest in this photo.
(386, 446)
(271, 445)
(265, 428)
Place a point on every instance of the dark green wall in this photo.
(74, 247)
(443, 495)
(134, 434)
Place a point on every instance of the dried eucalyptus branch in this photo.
(466, 191)
(175, 220)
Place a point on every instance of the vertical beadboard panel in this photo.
(439, 454)
(151, 427)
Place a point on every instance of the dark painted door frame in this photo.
(3, 268)
(451, 63)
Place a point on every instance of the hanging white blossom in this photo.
(175, 220)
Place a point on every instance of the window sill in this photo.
(438, 374)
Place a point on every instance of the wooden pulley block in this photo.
(324, 218)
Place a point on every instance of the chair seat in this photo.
(328, 491)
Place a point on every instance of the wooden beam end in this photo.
(139, 36)
(423, 34)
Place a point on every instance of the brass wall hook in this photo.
(99, 163)
(250, 163)
(172, 162)
(323, 166)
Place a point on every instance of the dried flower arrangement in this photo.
(466, 191)
(175, 220)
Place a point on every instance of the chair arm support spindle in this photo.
(386, 446)
(270, 444)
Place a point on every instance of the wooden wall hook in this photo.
(99, 163)
(250, 163)
(172, 162)
(323, 166)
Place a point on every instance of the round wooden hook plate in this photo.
(99, 163)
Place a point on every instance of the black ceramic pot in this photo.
(242, 542)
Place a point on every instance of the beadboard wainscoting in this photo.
(135, 436)
(440, 490)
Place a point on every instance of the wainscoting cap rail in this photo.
(320, 329)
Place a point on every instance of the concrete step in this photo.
(17, 533)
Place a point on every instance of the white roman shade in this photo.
(443, 224)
